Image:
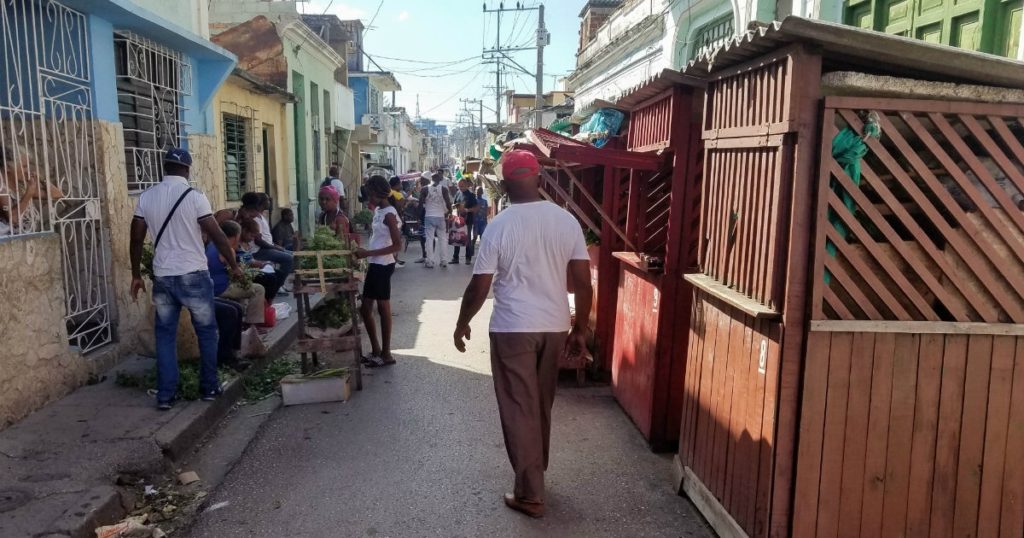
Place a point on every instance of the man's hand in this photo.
(236, 272)
(137, 285)
(462, 333)
(576, 344)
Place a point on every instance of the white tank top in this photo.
(380, 236)
(435, 206)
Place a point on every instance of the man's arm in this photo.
(213, 231)
(472, 301)
(579, 271)
(138, 236)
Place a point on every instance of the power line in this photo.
(461, 60)
(367, 29)
(457, 92)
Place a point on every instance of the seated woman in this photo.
(253, 296)
(332, 216)
(269, 278)
(229, 331)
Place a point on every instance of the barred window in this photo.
(712, 35)
(151, 81)
(237, 171)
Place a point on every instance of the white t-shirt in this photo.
(265, 229)
(380, 235)
(181, 249)
(435, 206)
(528, 248)
(339, 186)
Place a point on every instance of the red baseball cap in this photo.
(518, 164)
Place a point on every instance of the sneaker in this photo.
(210, 396)
(455, 261)
(444, 265)
(166, 405)
(421, 260)
(399, 263)
(428, 265)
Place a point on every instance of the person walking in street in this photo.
(530, 251)
(385, 240)
(480, 220)
(333, 179)
(179, 215)
(436, 204)
(400, 203)
(467, 206)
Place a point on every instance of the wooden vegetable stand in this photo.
(856, 355)
(343, 282)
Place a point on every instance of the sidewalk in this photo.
(59, 466)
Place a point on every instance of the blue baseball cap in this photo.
(178, 156)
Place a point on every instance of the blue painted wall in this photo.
(361, 98)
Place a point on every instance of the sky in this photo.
(434, 48)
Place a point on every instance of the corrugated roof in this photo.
(651, 87)
(846, 47)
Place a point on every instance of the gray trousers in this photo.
(525, 371)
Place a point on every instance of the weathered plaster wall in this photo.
(37, 365)
(263, 111)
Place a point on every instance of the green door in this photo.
(301, 188)
(991, 26)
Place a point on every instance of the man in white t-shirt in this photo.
(436, 205)
(176, 215)
(529, 252)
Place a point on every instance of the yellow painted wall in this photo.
(234, 97)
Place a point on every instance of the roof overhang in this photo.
(385, 81)
(262, 87)
(666, 80)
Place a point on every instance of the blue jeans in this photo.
(195, 292)
(285, 259)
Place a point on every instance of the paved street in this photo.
(419, 451)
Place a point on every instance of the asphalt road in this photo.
(419, 451)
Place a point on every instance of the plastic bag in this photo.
(252, 345)
(282, 311)
(458, 235)
(605, 121)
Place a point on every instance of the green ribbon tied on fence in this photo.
(848, 149)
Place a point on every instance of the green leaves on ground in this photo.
(188, 380)
(261, 384)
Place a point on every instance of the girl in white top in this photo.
(385, 241)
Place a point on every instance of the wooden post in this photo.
(608, 271)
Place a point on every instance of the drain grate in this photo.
(13, 498)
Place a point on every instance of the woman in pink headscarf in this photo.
(332, 216)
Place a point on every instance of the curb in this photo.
(99, 505)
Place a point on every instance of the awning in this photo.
(555, 147)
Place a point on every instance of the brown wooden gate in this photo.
(912, 417)
(742, 377)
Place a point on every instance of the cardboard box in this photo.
(297, 390)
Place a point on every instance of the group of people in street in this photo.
(531, 254)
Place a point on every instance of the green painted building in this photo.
(992, 26)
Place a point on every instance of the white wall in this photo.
(190, 14)
(344, 107)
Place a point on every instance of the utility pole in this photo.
(500, 54)
(542, 38)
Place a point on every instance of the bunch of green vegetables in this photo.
(324, 238)
(330, 314)
(363, 218)
(188, 380)
(592, 238)
(147, 260)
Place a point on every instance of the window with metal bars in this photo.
(236, 156)
(151, 82)
(712, 35)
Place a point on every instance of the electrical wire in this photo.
(456, 93)
(368, 25)
(451, 62)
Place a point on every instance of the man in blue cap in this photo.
(176, 216)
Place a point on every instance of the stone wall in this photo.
(37, 365)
